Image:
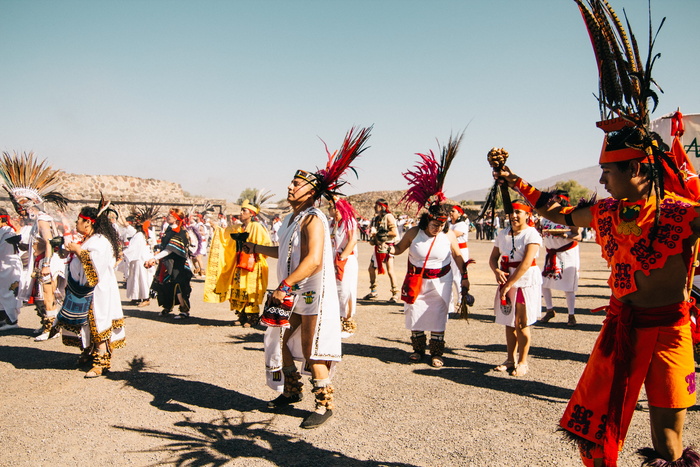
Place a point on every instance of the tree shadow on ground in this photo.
(220, 441)
(192, 320)
(171, 391)
(30, 358)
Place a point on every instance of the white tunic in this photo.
(530, 283)
(568, 262)
(430, 310)
(106, 304)
(10, 272)
(139, 279)
(317, 295)
(347, 288)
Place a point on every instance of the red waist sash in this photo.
(429, 273)
(550, 261)
(616, 341)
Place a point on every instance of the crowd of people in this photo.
(646, 230)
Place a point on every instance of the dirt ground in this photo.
(194, 393)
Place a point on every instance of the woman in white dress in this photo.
(427, 289)
(519, 293)
(91, 317)
(344, 238)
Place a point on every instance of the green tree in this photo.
(575, 189)
(246, 194)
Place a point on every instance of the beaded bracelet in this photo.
(284, 287)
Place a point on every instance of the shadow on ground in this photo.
(218, 442)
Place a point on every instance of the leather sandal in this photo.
(520, 370)
(508, 365)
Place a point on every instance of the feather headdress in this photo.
(328, 181)
(625, 81)
(144, 213)
(427, 178)
(347, 213)
(626, 88)
(25, 178)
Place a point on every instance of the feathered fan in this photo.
(428, 177)
(25, 177)
(328, 179)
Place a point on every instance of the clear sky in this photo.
(222, 95)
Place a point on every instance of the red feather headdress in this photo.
(328, 181)
(347, 212)
(428, 177)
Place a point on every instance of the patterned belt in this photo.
(429, 273)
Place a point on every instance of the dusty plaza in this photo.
(193, 392)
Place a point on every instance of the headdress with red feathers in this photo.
(348, 215)
(427, 178)
(327, 182)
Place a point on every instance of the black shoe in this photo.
(316, 419)
(283, 400)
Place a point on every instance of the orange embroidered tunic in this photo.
(623, 233)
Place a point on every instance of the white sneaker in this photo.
(345, 334)
(7, 326)
(45, 336)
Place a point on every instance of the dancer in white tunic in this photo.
(562, 264)
(344, 237)
(518, 297)
(140, 278)
(311, 333)
(31, 183)
(10, 271)
(427, 288)
(91, 317)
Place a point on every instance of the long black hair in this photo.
(103, 226)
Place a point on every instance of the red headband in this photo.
(522, 207)
(385, 206)
(175, 215)
(458, 208)
(89, 219)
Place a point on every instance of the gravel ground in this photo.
(193, 392)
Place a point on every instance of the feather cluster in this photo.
(625, 80)
(427, 178)
(25, 176)
(329, 179)
(261, 200)
(348, 215)
(144, 213)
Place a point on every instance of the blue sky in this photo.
(220, 96)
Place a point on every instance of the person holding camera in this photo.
(383, 232)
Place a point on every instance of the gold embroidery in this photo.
(89, 268)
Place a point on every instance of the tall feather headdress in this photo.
(260, 203)
(25, 177)
(327, 182)
(427, 178)
(626, 85)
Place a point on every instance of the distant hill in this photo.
(587, 177)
